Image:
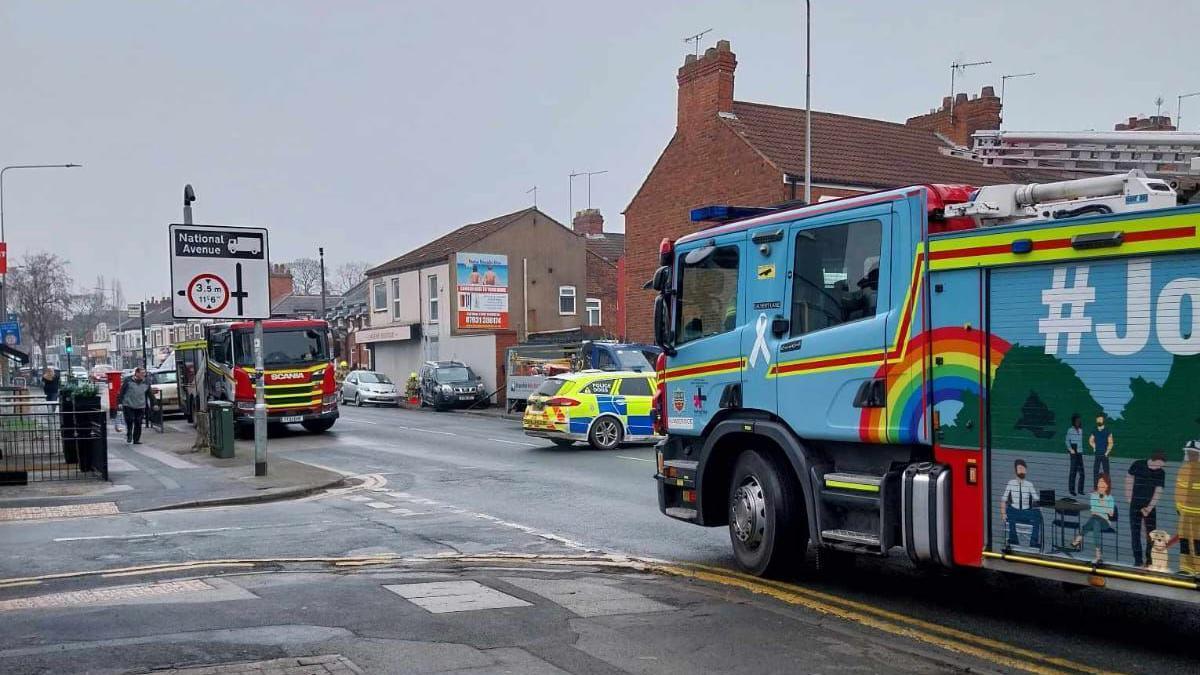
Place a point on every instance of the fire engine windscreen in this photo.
(708, 293)
(293, 347)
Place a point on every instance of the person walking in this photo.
(51, 383)
(135, 398)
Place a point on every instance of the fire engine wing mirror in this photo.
(661, 278)
(662, 332)
(696, 256)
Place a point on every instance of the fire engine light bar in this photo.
(720, 213)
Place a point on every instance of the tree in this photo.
(40, 292)
(347, 276)
(306, 276)
(1036, 418)
(1018, 422)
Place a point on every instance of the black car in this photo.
(451, 384)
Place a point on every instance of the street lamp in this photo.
(807, 103)
(4, 240)
(1179, 108)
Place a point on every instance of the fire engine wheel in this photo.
(765, 515)
(606, 433)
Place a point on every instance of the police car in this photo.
(604, 408)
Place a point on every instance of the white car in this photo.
(368, 386)
(166, 390)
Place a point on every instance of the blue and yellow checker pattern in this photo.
(585, 397)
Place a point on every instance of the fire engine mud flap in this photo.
(796, 454)
(925, 514)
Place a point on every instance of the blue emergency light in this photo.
(721, 213)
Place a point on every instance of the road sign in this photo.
(220, 272)
(133, 311)
(10, 333)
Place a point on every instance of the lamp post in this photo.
(321, 254)
(4, 240)
(807, 102)
(1179, 108)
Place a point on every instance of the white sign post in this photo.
(225, 273)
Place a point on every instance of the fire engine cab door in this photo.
(838, 300)
(765, 280)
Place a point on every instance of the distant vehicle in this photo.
(245, 245)
(528, 365)
(79, 373)
(100, 371)
(600, 407)
(367, 386)
(451, 384)
(164, 385)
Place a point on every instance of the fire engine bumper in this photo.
(676, 481)
(287, 416)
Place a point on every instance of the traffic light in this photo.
(67, 344)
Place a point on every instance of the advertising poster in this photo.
(482, 280)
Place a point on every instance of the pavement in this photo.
(451, 497)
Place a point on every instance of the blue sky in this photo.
(370, 128)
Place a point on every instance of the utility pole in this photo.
(1003, 82)
(321, 255)
(955, 67)
(808, 102)
(571, 196)
(145, 363)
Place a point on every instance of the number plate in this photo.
(292, 418)
(466, 397)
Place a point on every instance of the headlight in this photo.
(447, 389)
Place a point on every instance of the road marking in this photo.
(65, 511)
(401, 511)
(431, 431)
(501, 440)
(105, 595)
(442, 597)
(380, 505)
(166, 458)
(357, 421)
(147, 535)
(636, 459)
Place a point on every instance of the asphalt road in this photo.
(450, 483)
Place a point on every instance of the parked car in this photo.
(367, 386)
(604, 408)
(451, 384)
(79, 373)
(166, 389)
(100, 372)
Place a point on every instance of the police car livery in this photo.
(604, 408)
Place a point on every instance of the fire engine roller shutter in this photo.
(1085, 337)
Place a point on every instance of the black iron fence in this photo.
(44, 440)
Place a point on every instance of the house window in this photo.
(380, 297)
(566, 300)
(396, 299)
(593, 312)
(433, 298)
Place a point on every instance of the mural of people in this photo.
(1143, 488)
(1187, 503)
(1102, 507)
(1101, 441)
(1019, 506)
(1075, 453)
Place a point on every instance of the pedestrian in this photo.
(51, 381)
(1143, 488)
(1075, 452)
(135, 398)
(1101, 440)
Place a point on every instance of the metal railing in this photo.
(41, 442)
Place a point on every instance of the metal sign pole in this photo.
(145, 364)
(260, 404)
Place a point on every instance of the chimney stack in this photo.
(588, 222)
(706, 85)
(970, 115)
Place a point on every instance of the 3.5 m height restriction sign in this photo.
(220, 272)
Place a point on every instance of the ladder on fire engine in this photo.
(1120, 193)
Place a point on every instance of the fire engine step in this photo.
(681, 513)
(851, 537)
(858, 482)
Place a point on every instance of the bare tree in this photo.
(347, 275)
(41, 288)
(306, 276)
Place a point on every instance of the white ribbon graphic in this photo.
(760, 342)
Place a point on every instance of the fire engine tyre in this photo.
(606, 433)
(318, 426)
(766, 516)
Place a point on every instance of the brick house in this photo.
(734, 152)
(604, 311)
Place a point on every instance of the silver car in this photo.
(367, 386)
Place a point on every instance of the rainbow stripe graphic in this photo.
(959, 374)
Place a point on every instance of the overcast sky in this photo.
(371, 128)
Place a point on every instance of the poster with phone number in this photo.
(482, 286)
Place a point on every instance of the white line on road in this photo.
(636, 459)
(431, 431)
(357, 421)
(501, 440)
(147, 534)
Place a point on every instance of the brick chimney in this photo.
(280, 283)
(706, 85)
(1151, 123)
(970, 115)
(588, 222)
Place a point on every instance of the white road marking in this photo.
(636, 459)
(357, 421)
(146, 535)
(358, 498)
(401, 511)
(431, 431)
(167, 458)
(501, 440)
(380, 505)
